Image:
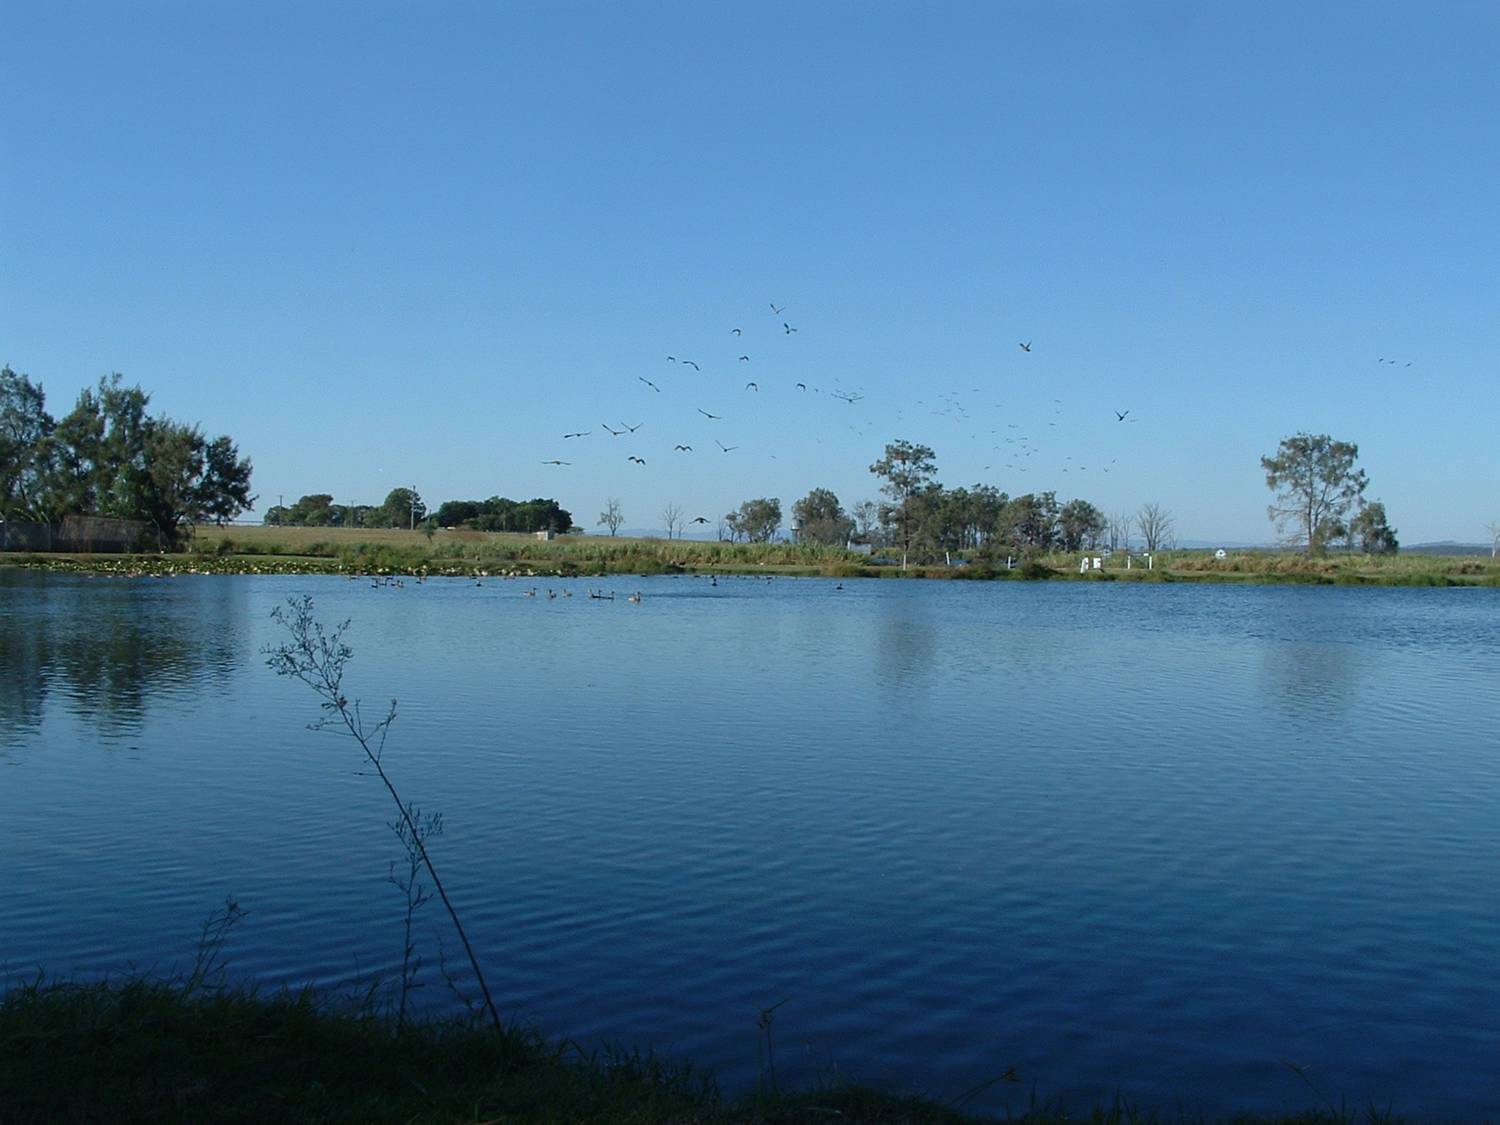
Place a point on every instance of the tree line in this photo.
(928, 520)
(109, 457)
(404, 507)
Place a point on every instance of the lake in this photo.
(1158, 840)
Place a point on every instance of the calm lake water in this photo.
(1138, 839)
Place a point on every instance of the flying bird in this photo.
(752, 386)
(775, 311)
(671, 359)
(1121, 415)
(693, 365)
(580, 433)
(746, 359)
(637, 460)
(802, 386)
(631, 429)
(706, 414)
(1026, 347)
(557, 462)
(684, 448)
(610, 432)
(737, 332)
(725, 448)
(788, 327)
(698, 519)
(649, 383)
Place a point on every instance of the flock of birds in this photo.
(1017, 449)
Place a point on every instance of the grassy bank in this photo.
(318, 550)
(139, 1050)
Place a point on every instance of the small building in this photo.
(546, 536)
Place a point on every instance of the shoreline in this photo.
(1261, 569)
(188, 1049)
(359, 552)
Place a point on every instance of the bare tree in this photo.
(1493, 527)
(671, 515)
(1155, 524)
(866, 520)
(1121, 524)
(611, 517)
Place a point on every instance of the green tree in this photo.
(756, 520)
(456, 513)
(1029, 522)
(74, 461)
(822, 518)
(109, 457)
(1371, 531)
(25, 435)
(314, 510)
(907, 470)
(402, 507)
(1080, 524)
(1316, 486)
(223, 491)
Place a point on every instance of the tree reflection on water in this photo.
(102, 648)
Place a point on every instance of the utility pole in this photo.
(413, 526)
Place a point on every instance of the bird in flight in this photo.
(649, 383)
(788, 327)
(610, 432)
(706, 414)
(632, 429)
(671, 359)
(737, 332)
(693, 365)
(557, 462)
(725, 448)
(752, 386)
(637, 460)
(802, 386)
(1026, 347)
(684, 448)
(775, 311)
(1121, 414)
(580, 433)
(744, 359)
(698, 519)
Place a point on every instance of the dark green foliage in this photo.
(822, 518)
(109, 457)
(1080, 524)
(756, 521)
(499, 514)
(1316, 485)
(1370, 531)
(1029, 522)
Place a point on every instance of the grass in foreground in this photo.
(142, 1050)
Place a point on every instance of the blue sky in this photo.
(382, 244)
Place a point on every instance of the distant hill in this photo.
(1447, 547)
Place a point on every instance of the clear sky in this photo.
(384, 244)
